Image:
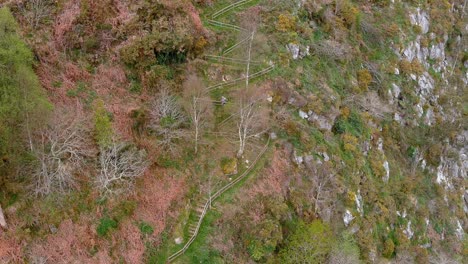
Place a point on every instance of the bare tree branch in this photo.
(198, 105)
(166, 119)
(252, 119)
(63, 146)
(119, 165)
(35, 11)
(324, 188)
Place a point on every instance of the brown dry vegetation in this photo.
(10, 249)
(275, 179)
(133, 248)
(70, 244)
(159, 197)
(74, 74)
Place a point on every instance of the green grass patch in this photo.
(145, 228)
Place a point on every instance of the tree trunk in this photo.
(196, 137)
(2, 218)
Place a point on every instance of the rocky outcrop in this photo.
(297, 51)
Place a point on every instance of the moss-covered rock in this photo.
(229, 166)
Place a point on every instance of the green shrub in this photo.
(352, 125)
(349, 13)
(310, 243)
(433, 154)
(102, 125)
(140, 120)
(167, 162)
(123, 210)
(106, 224)
(265, 239)
(389, 248)
(135, 87)
(146, 228)
(170, 39)
(229, 165)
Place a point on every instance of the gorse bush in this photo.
(286, 23)
(364, 79)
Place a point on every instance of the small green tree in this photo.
(102, 125)
(23, 105)
(310, 243)
(266, 236)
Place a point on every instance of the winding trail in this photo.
(216, 195)
(206, 205)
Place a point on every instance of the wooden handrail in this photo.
(216, 195)
(229, 8)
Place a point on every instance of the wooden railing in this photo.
(213, 197)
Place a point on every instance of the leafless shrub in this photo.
(167, 119)
(60, 153)
(373, 33)
(119, 165)
(404, 257)
(377, 75)
(371, 102)
(333, 50)
(338, 256)
(324, 189)
(442, 258)
(35, 11)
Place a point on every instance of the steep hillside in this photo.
(270, 131)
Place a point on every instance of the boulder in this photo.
(229, 166)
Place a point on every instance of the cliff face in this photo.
(376, 94)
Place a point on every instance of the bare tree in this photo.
(252, 118)
(250, 21)
(198, 105)
(61, 151)
(324, 189)
(167, 119)
(119, 165)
